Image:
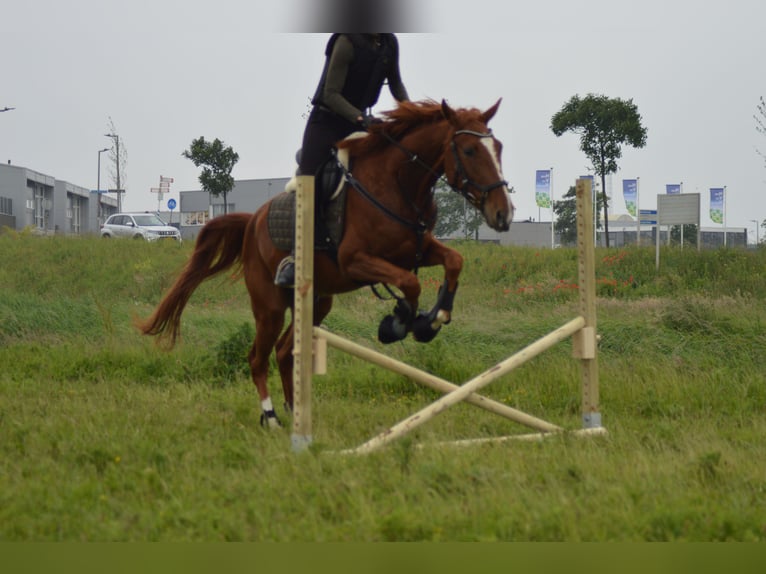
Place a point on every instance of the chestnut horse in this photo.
(390, 215)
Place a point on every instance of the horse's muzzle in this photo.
(499, 217)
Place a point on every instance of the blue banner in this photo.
(716, 204)
(543, 188)
(673, 188)
(630, 193)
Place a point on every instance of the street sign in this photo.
(98, 191)
(649, 213)
(166, 179)
(156, 190)
(171, 204)
(115, 191)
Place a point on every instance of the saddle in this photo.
(329, 212)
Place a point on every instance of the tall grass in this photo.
(104, 436)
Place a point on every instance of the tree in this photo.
(118, 160)
(760, 124)
(760, 127)
(604, 125)
(455, 214)
(689, 234)
(566, 216)
(217, 162)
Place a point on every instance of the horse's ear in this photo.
(490, 113)
(448, 112)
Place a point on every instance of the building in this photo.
(29, 199)
(621, 235)
(196, 207)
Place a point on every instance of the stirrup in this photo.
(285, 275)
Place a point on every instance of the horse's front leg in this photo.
(427, 325)
(365, 268)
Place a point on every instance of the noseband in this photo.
(461, 176)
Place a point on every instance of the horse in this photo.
(390, 215)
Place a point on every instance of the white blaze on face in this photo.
(489, 142)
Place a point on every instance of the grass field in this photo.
(105, 437)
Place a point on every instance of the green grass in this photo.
(105, 437)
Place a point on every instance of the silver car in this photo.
(146, 226)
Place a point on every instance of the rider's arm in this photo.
(340, 60)
(395, 84)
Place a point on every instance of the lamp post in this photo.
(116, 139)
(756, 231)
(98, 181)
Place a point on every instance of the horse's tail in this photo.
(218, 247)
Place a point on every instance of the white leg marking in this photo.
(489, 144)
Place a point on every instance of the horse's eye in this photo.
(469, 151)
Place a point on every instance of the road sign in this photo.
(157, 190)
(648, 216)
(166, 179)
(98, 191)
(115, 191)
(171, 204)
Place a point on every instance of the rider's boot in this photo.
(285, 275)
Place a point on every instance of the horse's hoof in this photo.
(423, 330)
(269, 419)
(391, 329)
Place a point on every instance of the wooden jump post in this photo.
(303, 312)
(311, 342)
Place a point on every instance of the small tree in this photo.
(217, 162)
(604, 125)
(566, 216)
(455, 214)
(118, 158)
(689, 234)
(760, 124)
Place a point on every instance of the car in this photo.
(146, 226)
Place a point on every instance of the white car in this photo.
(146, 226)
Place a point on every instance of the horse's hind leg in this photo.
(268, 325)
(284, 351)
(322, 307)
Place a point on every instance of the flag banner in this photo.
(630, 193)
(716, 204)
(543, 188)
(672, 188)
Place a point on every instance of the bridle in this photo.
(461, 176)
(420, 225)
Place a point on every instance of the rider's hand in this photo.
(367, 120)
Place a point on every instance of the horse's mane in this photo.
(399, 121)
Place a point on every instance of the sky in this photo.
(167, 71)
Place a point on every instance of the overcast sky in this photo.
(168, 71)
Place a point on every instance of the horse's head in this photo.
(472, 165)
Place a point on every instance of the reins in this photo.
(420, 226)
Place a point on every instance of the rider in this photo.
(356, 67)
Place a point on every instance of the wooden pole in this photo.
(470, 387)
(303, 313)
(585, 341)
(432, 381)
